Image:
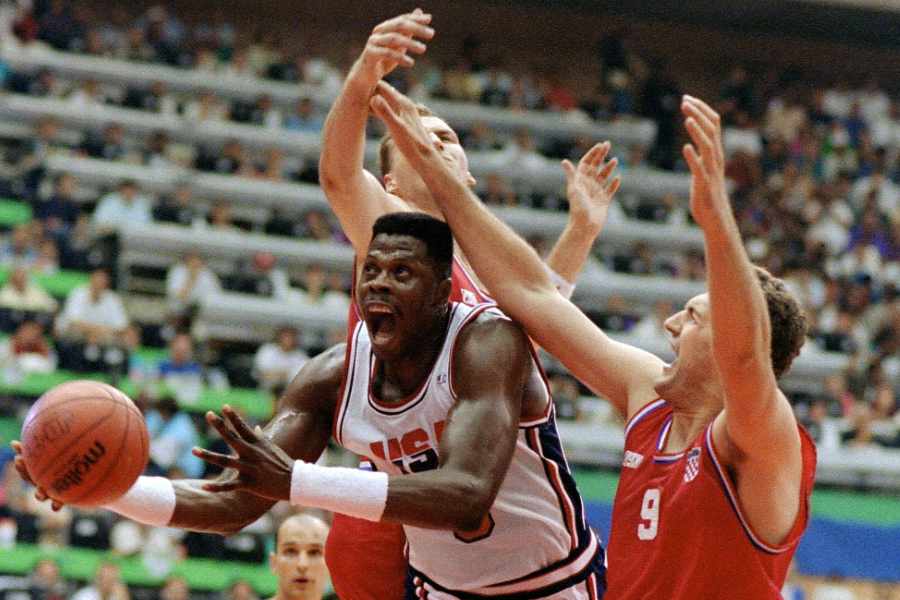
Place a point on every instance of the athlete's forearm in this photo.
(503, 261)
(344, 133)
(740, 318)
(571, 251)
(214, 512)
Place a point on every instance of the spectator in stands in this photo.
(189, 282)
(498, 192)
(177, 208)
(156, 99)
(46, 583)
(125, 206)
(157, 154)
(521, 154)
(109, 146)
(220, 217)
(179, 371)
(41, 145)
(19, 249)
(205, 107)
(316, 293)
(276, 363)
(265, 114)
(19, 293)
(565, 396)
(47, 261)
(652, 326)
(26, 351)
(93, 312)
(175, 588)
(88, 97)
(299, 558)
(107, 585)
(60, 27)
(230, 161)
(304, 117)
(273, 168)
(172, 436)
(241, 590)
(60, 212)
(316, 226)
(261, 276)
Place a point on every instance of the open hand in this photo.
(260, 466)
(391, 41)
(401, 116)
(705, 158)
(589, 188)
(22, 468)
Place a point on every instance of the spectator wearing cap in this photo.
(278, 362)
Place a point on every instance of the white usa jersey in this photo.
(535, 542)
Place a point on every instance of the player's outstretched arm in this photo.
(756, 435)
(476, 448)
(588, 210)
(301, 427)
(514, 272)
(356, 196)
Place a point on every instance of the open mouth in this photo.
(382, 321)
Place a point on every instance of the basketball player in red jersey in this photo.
(358, 198)
(717, 474)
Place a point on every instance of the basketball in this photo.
(85, 443)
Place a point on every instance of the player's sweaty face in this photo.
(396, 291)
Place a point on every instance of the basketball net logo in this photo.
(692, 467)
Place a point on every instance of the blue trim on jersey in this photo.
(551, 446)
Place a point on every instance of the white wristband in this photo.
(353, 492)
(562, 285)
(151, 501)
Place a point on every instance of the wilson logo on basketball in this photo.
(78, 467)
(51, 431)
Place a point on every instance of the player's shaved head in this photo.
(308, 524)
(299, 558)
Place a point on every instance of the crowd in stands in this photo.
(815, 169)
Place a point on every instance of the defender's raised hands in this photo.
(590, 186)
(391, 42)
(706, 159)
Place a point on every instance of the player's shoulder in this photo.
(488, 332)
(318, 382)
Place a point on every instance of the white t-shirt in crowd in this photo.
(108, 311)
(271, 358)
(207, 283)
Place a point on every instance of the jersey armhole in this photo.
(807, 474)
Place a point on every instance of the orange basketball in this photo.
(85, 443)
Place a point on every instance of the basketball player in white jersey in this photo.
(437, 395)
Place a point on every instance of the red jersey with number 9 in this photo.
(367, 559)
(678, 531)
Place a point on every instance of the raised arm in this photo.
(756, 412)
(513, 272)
(356, 196)
(756, 434)
(476, 448)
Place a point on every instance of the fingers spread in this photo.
(391, 54)
(613, 187)
(408, 25)
(695, 163)
(226, 462)
(225, 430)
(224, 486)
(397, 41)
(704, 108)
(596, 154)
(568, 169)
(239, 424)
(607, 169)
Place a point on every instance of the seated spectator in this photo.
(265, 114)
(93, 312)
(178, 208)
(88, 97)
(261, 276)
(317, 226)
(180, 372)
(20, 293)
(241, 590)
(126, 206)
(172, 436)
(273, 168)
(175, 588)
(19, 249)
(157, 154)
(47, 261)
(26, 351)
(316, 293)
(277, 363)
(189, 282)
(155, 99)
(107, 585)
(231, 160)
(299, 558)
(304, 117)
(219, 217)
(652, 326)
(60, 212)
(46, 583)
(565, 396)
(109, 146)
(498, 192)
(205, 107)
